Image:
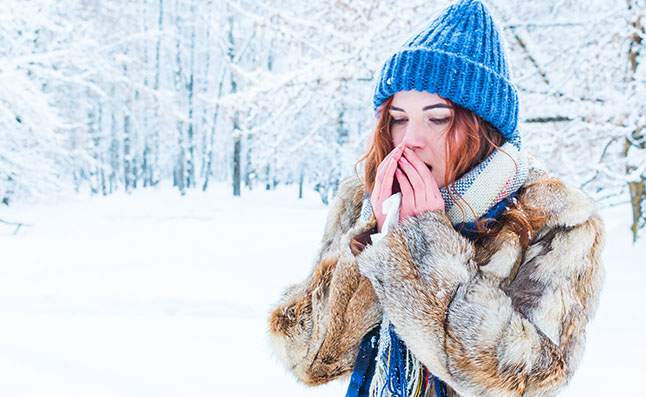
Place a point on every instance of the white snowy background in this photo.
(153, 153)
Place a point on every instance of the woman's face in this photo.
(420, 120)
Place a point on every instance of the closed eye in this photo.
(438, 121)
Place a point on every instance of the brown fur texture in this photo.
(318, 324)
(489, 320)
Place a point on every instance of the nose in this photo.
(413, 137)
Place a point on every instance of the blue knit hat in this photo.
(460, 57)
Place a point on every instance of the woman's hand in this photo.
(419, 189)
(384, 183)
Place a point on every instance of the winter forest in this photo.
(107, 96)
(166, 168)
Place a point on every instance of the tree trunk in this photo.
(114, 150)
(637, 197)
(237, 137)
(180, 170)
(236, 165)
(127, 152)
(209, 155)
(154, 140)
(637, 189)
(190, 158)
(248, 166)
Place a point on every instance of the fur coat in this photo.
(489, 319)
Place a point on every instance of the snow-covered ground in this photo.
(154, 294)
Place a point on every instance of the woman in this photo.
(476, 273)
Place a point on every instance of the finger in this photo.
(408, 196)
(435, 200)
(396, 153)
(419, 165)
(416, 180)
(386, 172)
(432, 189)
(381, 169)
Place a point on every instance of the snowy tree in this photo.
(310, 112)
(124, 94)
(33, 155)
(582, 98)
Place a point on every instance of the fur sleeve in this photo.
(481, 333)
(317, 327)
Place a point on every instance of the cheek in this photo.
(397, 137)
(438, 147)
(441, 151)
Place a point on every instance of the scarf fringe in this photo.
(398, 372)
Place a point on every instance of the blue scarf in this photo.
(488, 189)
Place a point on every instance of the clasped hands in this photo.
(419, 190)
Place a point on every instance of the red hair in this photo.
(477, 140)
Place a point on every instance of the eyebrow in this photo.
(437, 105)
